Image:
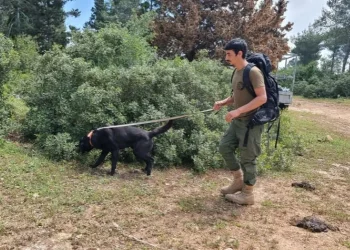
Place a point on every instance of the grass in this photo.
(39, 179)
(314, 132)
(346, 244)
(269, 204)
(191, 205)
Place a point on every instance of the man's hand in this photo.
(218, 105)
(232, 115)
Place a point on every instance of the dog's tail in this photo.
(161, 130)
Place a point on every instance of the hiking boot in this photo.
(246, 197)
(236, 185)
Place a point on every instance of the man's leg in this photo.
(249, 156)
(228, 145)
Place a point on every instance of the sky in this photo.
(301, 12)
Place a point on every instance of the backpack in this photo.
(269, 111)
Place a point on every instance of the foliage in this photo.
(308, 46)
(335, 22)
(342, 86)
(312, 82)
(43, 20)
(114, 11)
(91, 97)
(113, 45)
(9, 61)
(60, 146)
(122, 10)
(289, 145)
(98, 15)
(185, 27)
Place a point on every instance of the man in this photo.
(241, 189)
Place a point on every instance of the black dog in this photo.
(114, 139)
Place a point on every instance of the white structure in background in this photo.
(285, 94)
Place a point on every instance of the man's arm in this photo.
(259, 100)
(227, 101)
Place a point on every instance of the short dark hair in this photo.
(237, 44)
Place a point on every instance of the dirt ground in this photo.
(332, 113)
(175, 209)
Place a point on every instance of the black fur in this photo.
(114, 139)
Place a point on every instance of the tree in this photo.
(308, 46)
(121, 10)
(150, 5)
(187, 26)
(98, 15)
(336, 19)
(43, 20)
(14, 17)
(113, 11)
(332, 41)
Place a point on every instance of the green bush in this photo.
(111, 46)
(59, 147)
(310, 91)
(342, 86)
(92, 97)
(290, 145)
(299, 87)
(111, 77)
(9, 61)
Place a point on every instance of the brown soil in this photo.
(330, 113)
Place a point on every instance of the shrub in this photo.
(59, 147)
(111, 77)
(113, 45)
(310, 91)
(289, 146)
(9, 61)
(299, 87)
(342, 86)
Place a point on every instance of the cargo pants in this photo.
(232, 140)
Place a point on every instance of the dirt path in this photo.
(336, 115)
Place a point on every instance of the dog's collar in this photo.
(90, 137)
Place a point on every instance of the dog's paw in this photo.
(146, 171)
(113, 173)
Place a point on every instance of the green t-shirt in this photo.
(242, 96)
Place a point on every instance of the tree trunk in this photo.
(346, 56)
(333, 58)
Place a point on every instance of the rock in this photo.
(313, 224)
(304, 184)
(329, 138)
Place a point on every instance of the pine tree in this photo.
(98, 15)
(336, 21)
(42, 19)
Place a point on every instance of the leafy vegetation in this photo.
(111, 73)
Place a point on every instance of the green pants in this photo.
(233, 139)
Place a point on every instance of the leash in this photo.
(153, 121)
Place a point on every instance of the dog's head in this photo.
(84, 145)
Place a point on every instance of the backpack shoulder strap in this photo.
(233, 73)
(246, 79)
